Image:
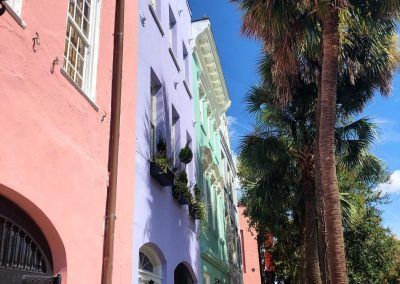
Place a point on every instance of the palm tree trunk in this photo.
(321, 227)
(311, 250)
(302, 266)
(326, 147)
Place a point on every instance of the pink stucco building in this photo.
(55, 90)
(250, 261)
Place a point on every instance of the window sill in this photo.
(171, 52)
(15, 16)
(91, 102)
(187, 88)
(155, 17)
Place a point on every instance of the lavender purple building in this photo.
(165, 244)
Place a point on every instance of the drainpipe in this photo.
(110, 217)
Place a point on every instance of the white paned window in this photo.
(175, 136)
(172, 36)
(16, 5)
(150, 267)
(81, 44)
(185, 56)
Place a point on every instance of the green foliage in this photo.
(186, 155)
(162, 162)
(161, 158)
(181, 186)
(371, 249)
(198, 207)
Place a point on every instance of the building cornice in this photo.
(207, 54)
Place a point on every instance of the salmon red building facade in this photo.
(56, 69)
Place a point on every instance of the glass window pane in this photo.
(71, 7)
(78, 81)
(80, 4)
(80, 65)
(72, 56)
(81, 48)
(74, 37)
(78, 17)
(70, 71)
(87, 11)
(86, 28)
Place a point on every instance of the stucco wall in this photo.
(159, 219)
(54, 144)
(250, 251)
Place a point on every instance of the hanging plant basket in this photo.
(164, 178)
(179, 196)
(194, 212)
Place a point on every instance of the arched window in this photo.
(150, 267)
(24, 252)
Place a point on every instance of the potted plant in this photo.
(180, 190)
(186, 155)
(197, 208)
(160, 165)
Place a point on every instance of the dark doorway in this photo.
(182, 275)
(25, 255)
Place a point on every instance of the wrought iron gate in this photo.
(24, 253)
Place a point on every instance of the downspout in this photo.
(110, 216)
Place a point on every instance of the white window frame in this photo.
(172, 32)
(153, 123)
(89, 77)
(144, 275)
(14, 8)
(15, 5)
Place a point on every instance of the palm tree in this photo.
(284, 140)
(285, 28)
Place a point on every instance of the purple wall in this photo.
(158, 218)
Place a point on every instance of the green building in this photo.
(219, 239)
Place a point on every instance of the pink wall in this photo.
(250, 251)
(54, 144)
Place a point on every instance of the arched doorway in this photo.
(25, 255)
(150, 266)
(182, 275)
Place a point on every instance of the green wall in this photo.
(213, 238)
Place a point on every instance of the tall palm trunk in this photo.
(321, 227)
(326, 148)
(311, 248)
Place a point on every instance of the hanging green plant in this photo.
(180, 190)
(197, 209)
(186, 155)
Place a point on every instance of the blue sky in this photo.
(239, 61)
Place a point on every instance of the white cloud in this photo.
(393, 185)
(383, 121)
(388, 130)
(231, 120)
(231, 123)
